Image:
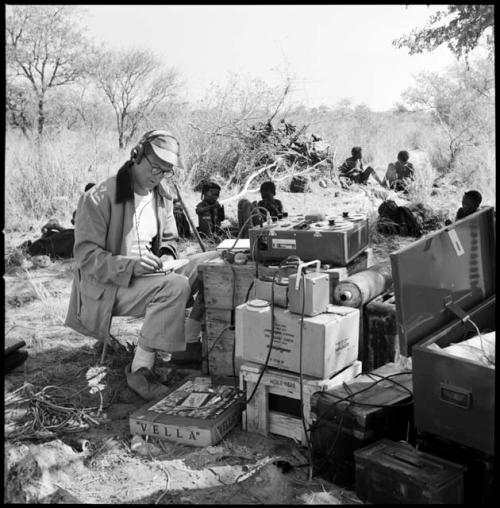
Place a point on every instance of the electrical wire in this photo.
(485, 355)
(301, 377)
(270, 344)
(349, 397)
(284, 264)
(350, 403)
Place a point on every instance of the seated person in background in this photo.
(470, 204)
(210, 212)
(269, 202)
(56, 241)
(400, 173)
(398, 220)
(352, 168)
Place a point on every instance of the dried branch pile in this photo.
(278, 153)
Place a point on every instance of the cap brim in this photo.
(167, 156)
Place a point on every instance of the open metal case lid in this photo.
(442, 274)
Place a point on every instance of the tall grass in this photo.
(44, 179)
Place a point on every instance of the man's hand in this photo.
(148, 263)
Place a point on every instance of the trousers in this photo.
(162, 300)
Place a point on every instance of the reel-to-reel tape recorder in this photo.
(336, 240)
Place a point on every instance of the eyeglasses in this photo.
(155, 170)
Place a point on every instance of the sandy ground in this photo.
(115, 469)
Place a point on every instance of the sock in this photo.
(142, 358)
(192, 330)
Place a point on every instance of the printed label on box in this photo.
(283, 243)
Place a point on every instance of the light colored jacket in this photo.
(103, 233)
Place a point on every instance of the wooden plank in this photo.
(286, 425)
(219, 343)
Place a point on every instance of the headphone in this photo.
(137, 153)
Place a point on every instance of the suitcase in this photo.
(388, 472)
(445, 291)
(340, 428)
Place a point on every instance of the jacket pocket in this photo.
(92, 291)
(92, 311)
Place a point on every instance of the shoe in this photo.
(143, 382)
(191, 355)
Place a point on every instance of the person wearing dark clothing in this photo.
(210, 212)
(56, 241)
(183, 227)
(397, 220)
(353, 169)
(470, 204)
(269, 202)
(400, 173)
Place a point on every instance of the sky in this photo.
(331, 52)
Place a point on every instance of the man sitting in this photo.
(125, 231)
(400, 173)
(352, 168)
(268, 202)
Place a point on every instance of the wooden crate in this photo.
(226, 285)
(282, 386)
(218, 343)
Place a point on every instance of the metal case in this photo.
(396, 473)
(380, 340)
(337, 240)
(358, 413)
(479, 478)
(447, 274)
(317, 293)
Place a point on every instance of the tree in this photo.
(460, 27)
(18, 111)
(44, 46)
(135, 83)
(461, 101)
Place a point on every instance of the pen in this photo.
(159, 268)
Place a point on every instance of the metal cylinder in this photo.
(363, 286)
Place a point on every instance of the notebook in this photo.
(169, 266)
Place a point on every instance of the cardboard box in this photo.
(330, 340)
(196, 414)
